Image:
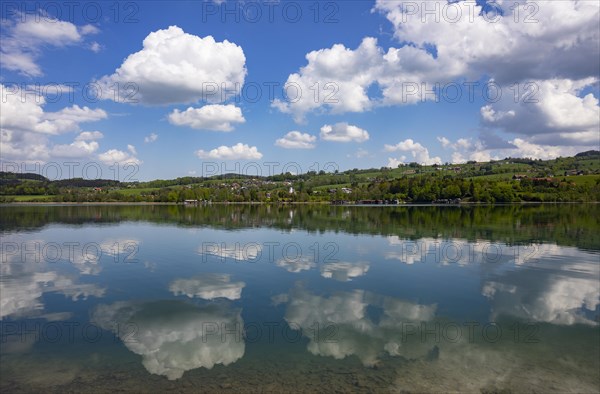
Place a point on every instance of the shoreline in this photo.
(462, 204)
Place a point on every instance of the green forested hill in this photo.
(510, 180)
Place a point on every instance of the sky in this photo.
(142, 90)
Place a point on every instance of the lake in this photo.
(300, 298)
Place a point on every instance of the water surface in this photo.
(304, 298)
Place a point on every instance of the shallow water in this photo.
(300, 298)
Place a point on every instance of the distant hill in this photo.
(574, 178)
(80, 182)
(588, 153)
(26, 175)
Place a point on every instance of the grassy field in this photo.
(136, 192)
(29, 188)
(582, 179)
(32, 198)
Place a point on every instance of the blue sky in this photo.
(387, 74)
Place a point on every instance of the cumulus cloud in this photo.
(22, 113)
(419, 153)
(27, 35)
(296, 140)
(113, 156)
(237, 152)
(560, 40)
(208, 287)
(491, 147)
(209, 117)
(461, 143)
(345, 76)
(557, 51)
(527, 149)
(444, 141)
(556, 115)
(342, 74)
(76, 149)
(89, 136)
(173, 336)
(26, 128)
(395, 163)
(176, 67)
(83, 146)
(343, 132)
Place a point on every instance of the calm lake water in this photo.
(300, 298)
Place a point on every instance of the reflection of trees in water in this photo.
(566, 224)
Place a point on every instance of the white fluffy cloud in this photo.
(29, 33)
(89, 136)
(461, 143)
(26, 128)
(296, 140)
(209, 117)
(113, 156)
(24, 113)
(556, 48)
(237, 152)
(419, 153)
(394, 163)
(173, 336)
(343, 132)
(208, 287)
(342, 75)
(556, 114)
(345, 76)
(177, 67)
(530, 41)
(76, 149)
(482, 150)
